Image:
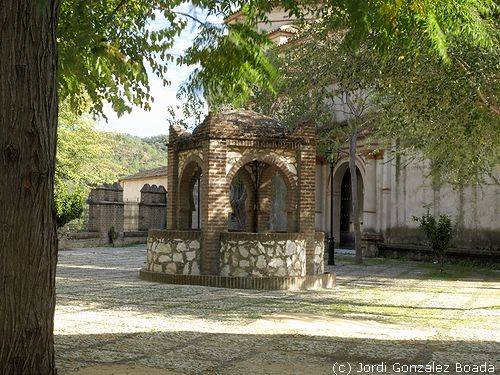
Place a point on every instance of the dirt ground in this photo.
(390, 312)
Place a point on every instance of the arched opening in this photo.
(346, 215)
(278, 218)
(190, 205)
(196, 213)
(262, 199)
(241, 203)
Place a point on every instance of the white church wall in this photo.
(474, 211)
(396, 190)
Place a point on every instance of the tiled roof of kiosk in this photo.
(241, 123)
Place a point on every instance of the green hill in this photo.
(132, 154)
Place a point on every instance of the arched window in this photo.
(238, 198)
(190, 205)
(261, 199)
(278, 216)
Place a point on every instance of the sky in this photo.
(154, 122)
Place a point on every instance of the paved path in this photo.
(110, 322)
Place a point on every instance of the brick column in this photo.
(215, 203)
(307, 192)
(172, 179)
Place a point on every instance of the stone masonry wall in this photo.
(174, 252)
(262, 254)
(319, 251)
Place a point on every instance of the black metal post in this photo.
(331, 238)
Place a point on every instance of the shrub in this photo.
(112, 235)
(438, 233)
(69, 205)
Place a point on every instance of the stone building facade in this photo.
(394, 190)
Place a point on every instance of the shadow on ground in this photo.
(195, 352)
(111, 322)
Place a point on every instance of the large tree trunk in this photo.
(28, 240)
(355, 197)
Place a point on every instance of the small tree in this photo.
(438, 233)
(69, 205)
(323, 79)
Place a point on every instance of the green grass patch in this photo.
(458, 271)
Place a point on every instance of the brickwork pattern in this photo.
(106, 210)
(152, 207)
(308, 282)
(219, 149)
(307, 191)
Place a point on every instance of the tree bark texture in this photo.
(355, 198)
(28, 239)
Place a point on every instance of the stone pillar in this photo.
(370, 237)
(386, 194)
(172, 178)
(215, 203)
(106, 210)
(152, 208)
(370, 196)
(307, 189)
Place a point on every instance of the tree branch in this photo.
(193, 18)
(492, 106)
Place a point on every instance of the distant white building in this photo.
(132, 186)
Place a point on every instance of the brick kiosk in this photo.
(241, 207)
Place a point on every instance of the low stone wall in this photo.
(174, 252)
(262, 254)
(424, 253)
(319, 253)
(312, 282)
(470, 240)
(80, 240)
(76, 240)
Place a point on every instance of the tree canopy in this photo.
(414, 27)
(87, 157)
(106, 47)
(430, 67)
(443, 112)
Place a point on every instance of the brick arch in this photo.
(289, 177)
(190, 159)
(250, 200)
(274, 165)
(291, 189)
(192, 169)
